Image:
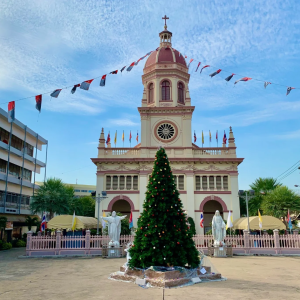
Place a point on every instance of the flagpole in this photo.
(7, 171)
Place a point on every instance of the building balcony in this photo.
(17, 180)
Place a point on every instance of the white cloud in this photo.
(123, 122)
(289, 135)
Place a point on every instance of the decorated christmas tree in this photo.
(163, 237)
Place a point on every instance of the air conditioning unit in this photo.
(10, 210)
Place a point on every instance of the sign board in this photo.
(221, 248)
(9, 225)
(140, 281)
(203, 270)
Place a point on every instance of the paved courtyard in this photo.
(86, 278)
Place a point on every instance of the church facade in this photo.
(206, 178)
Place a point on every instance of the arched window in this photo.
(180, 93)
(165, 90)
(151, 93)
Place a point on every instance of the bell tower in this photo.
(166, 110)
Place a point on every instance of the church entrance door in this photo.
(209, 210)
(122, 206)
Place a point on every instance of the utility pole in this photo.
(99, 199)
(248, 196)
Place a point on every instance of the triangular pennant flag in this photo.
(55, 93)
(198, 66)
(190, 62)
(215, 73)
(102, 82)
(11, 111)
(123, 69)
(243, 79)
(204, 68)
(149, 53)
(185, 56)
(114, 72)
(85, 85)
(289, 90)
(229, 77)
(73, 90)
(38, 100)
(266, 83)
(130, 67)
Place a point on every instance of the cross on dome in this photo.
(165, 18)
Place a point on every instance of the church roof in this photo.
(161, 55)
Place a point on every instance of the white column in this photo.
(143, 189)
(201, 186)
(190, 197)
(125, 182)
(215, 183)
(222, 184)
(131, 182)
(99, 189)
(118, 187)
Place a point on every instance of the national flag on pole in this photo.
(115, 141)
(243, 79)
(198, 66)
(229, 77)
(73, 90)
(130, 137)
(103, 221)
(224, 138)
(229, 220)
(260, 220)
(11, 111)
(209, 136)
(215, 73)
(130, 67)
(195, 137)
(85, 85)
(44, 223)
(55, 93)
(38, 100)
(108, 139)
(217, 136)
(130, 221)
(74, 222)
(202, 138)
(289, 221)
(123, 136)
(137, 136)
(201, 220)
(102, 81)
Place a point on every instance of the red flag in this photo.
(108, 139)
(137, 137)
(190, 62)
(130, 67)
(86, 84)
(195, 137)
(243, 79)
(204, 68)
(11, 111)
(55, 93)
(130, 137)
(102, 81)
(215, 73)
(38, 100)
(224, 138)
(198, 66)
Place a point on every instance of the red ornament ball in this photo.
(163, 175)
(178, 243)
(157, 172)
(163, 189)
(167, 210)
(174, 225)
(141, 227)
(156, 187)
(145, 234)
(157, 163)
(153, 215)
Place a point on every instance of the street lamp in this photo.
(247, 198)
(99, 199)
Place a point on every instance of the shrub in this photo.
(20, 243)
(6, 246)
(1, 243)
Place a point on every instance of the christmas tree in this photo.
(163, 237)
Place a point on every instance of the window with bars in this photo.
(108, 183)
(165, 89)
(115, 182)
(219, 185)
(16, 142)
(225, 183)
(135, 183)
(122, 182)
(151, 93)
(14, 170)
(29, 149)
(27, 174)
(3, 165)
(197, 181)
(4, 135)
(180, 93)
(128, 182)
(179, 181)
(204, 183)
(211, 182)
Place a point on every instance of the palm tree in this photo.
(31, 222)
(53, 197)
(261, 187)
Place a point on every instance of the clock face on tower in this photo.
(165, 131)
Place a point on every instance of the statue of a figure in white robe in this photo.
(114, 226)
(218, 229)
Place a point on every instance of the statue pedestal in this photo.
(220, 252)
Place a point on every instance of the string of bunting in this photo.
(85, 85)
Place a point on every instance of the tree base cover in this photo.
(167, 277)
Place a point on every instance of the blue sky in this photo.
(52, 44)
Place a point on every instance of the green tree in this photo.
(52, 196)
(31, 222)
(124, 225)
(84, 206)
(278, 202)
(162, 237)
(261, 187)
(3, 221)
(192, 225)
